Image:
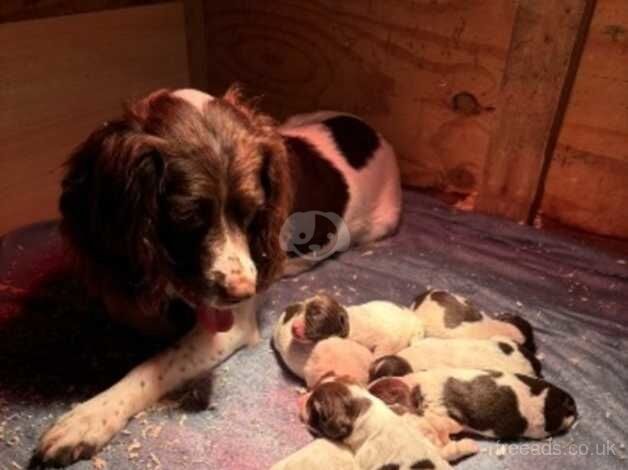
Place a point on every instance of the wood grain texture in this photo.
(197, 41)
(538, 76)
(62, 77)
(19, 10)
(587, 183)
(398, 63)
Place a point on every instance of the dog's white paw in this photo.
(79, 434)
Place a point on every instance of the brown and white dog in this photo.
(489, 403)
(498, 353)
(383, 327)
(188, 196)
(447, 315)
(312, 360)
(344, 412)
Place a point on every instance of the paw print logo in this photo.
(315, 235)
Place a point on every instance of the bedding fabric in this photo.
(56, 347)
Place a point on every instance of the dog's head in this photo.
(332, 408)
(182, 194)
(318, 318)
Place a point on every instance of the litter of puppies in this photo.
(391, 387)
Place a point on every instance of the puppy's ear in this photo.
(325, 317)
(265, 229)
(109, 204)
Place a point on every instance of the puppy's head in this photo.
(318, 318)
(332, 408)
(178, 193)
(389, 366)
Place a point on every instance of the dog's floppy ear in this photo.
(265, 231)
(110, 203)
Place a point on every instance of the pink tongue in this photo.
(215, 320)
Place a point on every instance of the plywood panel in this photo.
(63, 76)
(398, 63)
(587, 185)
(544, 51)
(18, 10)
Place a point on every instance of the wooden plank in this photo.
(397, 63)
(197, 42)
(20, 10)
(592, 154)
(544, 51)
(64, 76)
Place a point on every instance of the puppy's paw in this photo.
(78, 435)
(456, 450)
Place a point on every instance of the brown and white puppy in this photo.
(320, 453)
(313, 360)
(345, 412)
(500, 354)
(383, 327)
(446, 315)
(488, 403)
(185, 196)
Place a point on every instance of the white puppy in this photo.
(320, 453)
(312, 360)
(383, 327)
(345, 412)
(445, 315)
(498, 353)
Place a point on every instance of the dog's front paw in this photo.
(77, 435)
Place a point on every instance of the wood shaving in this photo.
(99, 464)
(182, 419)
(133, 448)
(155, 460)
(153, 431)
(16, 465)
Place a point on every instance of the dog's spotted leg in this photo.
(82, 432)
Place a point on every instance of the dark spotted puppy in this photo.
(312, 360)
(500, 354)
(489, 403)
(446, 315)
(380, 439)
(382, 327)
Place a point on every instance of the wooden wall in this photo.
(587, 185)
(61, 77)
(400, 64)
(429, 75)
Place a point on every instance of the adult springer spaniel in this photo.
(205, 201)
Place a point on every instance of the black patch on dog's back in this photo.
(483, 405)
(390, 466)
(389, 366)
(291, 311)
(535, 385)
(532, 359)
(418, 300)
(505, 347)
(558, 406)
(318, 186)
(523, 326)
(456, 312)
(422, 464)
(355, 139)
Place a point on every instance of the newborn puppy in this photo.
(445, 315)
(320, 453)
(312, 360)
(500, 354)
(380, 439)
(489, 403)
(382, 327)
